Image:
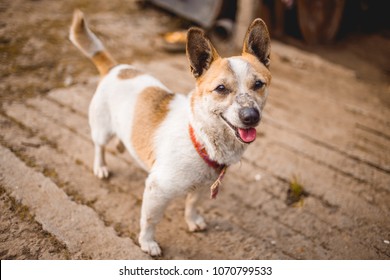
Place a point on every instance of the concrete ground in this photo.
(314, 185)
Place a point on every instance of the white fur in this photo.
(112, 107)
(240, 68)
(221, 145)
(178, 169)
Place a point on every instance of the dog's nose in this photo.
(249, 116)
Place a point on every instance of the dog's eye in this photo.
(258, 85)
(221, 89)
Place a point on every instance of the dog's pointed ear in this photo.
(257, 41)
(200, 51)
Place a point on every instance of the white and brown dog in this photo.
(184, 142)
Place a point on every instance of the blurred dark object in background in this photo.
(366, 16)
(319, 20)
(313, 21)
(218, 15)
(323, 21)
(202, 12)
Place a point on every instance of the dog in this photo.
(185, 143)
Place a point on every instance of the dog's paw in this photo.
(151, 247)
(196, 224)
(101, 172)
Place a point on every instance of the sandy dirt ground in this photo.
(315, 185)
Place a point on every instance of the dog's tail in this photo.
(89, 44)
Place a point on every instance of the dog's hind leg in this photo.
(100, 137)
(99, 165)
(100, 123)
(153, 206)
(194, 221)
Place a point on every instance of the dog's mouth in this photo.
(244, 135)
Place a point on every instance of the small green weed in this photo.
(295, 193)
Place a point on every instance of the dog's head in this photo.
(231, 92)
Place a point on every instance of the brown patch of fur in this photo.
(206, 83)
(259, 67)
(103, 62)
(218, 66)
(151, 110)
(129, 73)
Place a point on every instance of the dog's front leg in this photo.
(153, 207)
(194, 221)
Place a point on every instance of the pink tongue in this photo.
(247, 135)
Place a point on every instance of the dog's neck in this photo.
(217, 139)
(202, 151)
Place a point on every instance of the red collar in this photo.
(220, 168)
(203, 153)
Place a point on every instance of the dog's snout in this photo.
(249, 116)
